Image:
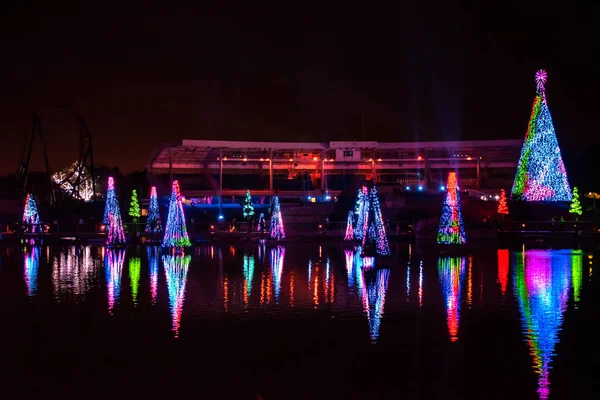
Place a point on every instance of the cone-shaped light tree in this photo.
(262, 223)
(134, 206)
(541, 173)
(176, 231)
(361, 210)
(502, 206)
(276, 230)
(374, 240)
(112, 216)
(248, 211)
(451, 229)
(31, 216)
(575, 203)
(153, 223)
(350, 226)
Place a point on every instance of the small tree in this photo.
(502, 206)
(134, 206)
(575, 204)
(248, 211)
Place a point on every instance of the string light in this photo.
(248, 207)
(153, 222)
(176, 269)
(134, 206)
(176, 231)
(361, 209)
(374, 237)
(30, 214)
(112, 216)
(276, 230)
(451, 229)
(575, 203)
(349, 226)
(541, 173)
(502, 206)
(262, 223)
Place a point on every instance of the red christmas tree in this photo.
(502, 207)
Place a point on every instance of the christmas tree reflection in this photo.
(113, 267)
(176, 269)
(451, 271)
(31, 263)
(542, 280)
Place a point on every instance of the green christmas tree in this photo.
(248, 211)
(575, 204)
(134, 206)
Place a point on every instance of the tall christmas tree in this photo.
(134, 206)
(575, 204)
(361, 210)
(112, 217)
(451, 230)
(541, 173)
(375, 239)
(248, 211)
(31, 217)
(502, 206)
(153, 223)
(276, 230)
(349, 226)
(176, 231)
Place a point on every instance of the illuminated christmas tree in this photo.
(276, 230)
(375, 239)
(31, 217)
(361, 210)
(153, 223)
(451, 230)
(248, 211)
(134, 206)
(112, 216)
(349, 226)
(575, 204)
(262, 223)
(176, 231)
(541, 173)
(502, 206)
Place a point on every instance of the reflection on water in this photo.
(291, 290)
(542, 280)
(451, 271)
(153, 260)
(135, 268)
(72, 272)
(113, 267)
(277, 256)
(176, 269)
(503, 261)
(371, 285)
(31, 263)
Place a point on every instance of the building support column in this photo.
(171, 164)
(220, 172)
(271, 170)
(478, 173)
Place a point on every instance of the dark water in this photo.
(302, 321)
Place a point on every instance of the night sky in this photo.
(143, 75)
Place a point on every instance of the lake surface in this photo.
(299, 321)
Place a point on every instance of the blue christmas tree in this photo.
(375, 238)
(153, 223)
(361, 210)
(276, 230)
(112, 217)
(541, 173)
(31, 217)
(451, 229)
(176, 231)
